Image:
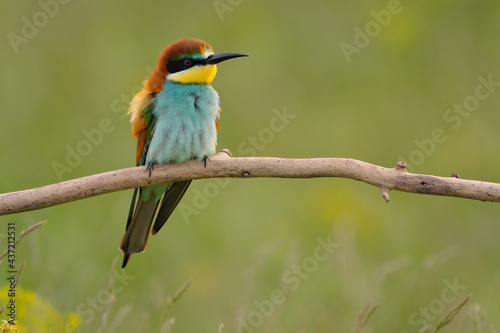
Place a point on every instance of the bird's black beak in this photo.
(219, 57)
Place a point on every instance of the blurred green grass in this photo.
(90, 56)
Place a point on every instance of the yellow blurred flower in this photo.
(36, 315)
(7, 327)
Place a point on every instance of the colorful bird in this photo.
(175, 118)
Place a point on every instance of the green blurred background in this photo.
(82, 65)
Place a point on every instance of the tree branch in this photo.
(223, 165)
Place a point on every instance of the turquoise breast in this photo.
(186, 117)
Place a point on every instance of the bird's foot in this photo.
(149, 168)
(205, 159)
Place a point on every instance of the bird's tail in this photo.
(142, 213)
(136, 235)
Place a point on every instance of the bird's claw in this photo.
(205, 159)
(149, 168)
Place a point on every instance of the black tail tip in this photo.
(126, 257)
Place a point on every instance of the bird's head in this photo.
(188, 61)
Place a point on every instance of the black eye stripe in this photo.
(174, 66)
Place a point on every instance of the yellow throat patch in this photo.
(203, 74)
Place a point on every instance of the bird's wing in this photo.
(143, 125)
(143, 120)
(141, 212)
(170, 200)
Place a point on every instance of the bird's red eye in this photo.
(187, 62)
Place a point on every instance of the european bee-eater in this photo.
(175, 118)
